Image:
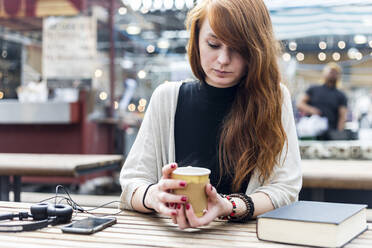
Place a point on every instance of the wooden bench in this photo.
(62, 165)
(337, 174)
(319, 175)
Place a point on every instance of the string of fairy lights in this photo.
(144, 6)
(357, 48)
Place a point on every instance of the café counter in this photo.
(52, 127)
(15, 112)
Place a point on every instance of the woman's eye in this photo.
(214, 46)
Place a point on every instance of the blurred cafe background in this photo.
(76, 76)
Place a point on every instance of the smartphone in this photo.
(88, 225)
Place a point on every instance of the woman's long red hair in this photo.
(252, 134)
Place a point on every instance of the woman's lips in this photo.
(221, 73)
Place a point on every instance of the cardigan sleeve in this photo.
(140, 166)
(285, 182)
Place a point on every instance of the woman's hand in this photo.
(159, 197)
(217, 206)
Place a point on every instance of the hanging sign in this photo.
(69, 47)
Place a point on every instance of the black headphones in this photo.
(45, 214)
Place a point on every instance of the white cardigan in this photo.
(154, 147)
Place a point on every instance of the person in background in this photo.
(236, 119)
(326, 100)
(363, 110)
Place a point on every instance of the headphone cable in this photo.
(75, 205)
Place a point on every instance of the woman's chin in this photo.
(222, 82)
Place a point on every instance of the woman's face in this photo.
(222, 65)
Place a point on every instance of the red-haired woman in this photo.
(235, 120)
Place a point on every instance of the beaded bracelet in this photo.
(248, 214)
(233, 212)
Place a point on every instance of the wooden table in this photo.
(66, 165)
(140, 230)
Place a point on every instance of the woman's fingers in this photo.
(177, 206)
(173, 205)
(168, 184)
(167, 198)
(164, 201)
(168, 169)
(195, 221)
(209, 215)
(181, 218)
(167, 211)
(211, 192)
(174, 219)
(163, 191)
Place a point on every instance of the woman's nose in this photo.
(224, 57)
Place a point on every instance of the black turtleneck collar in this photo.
(217, 95)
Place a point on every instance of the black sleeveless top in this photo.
(201, 109)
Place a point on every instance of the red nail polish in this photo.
(171, 204)
(167, 204)
(173, 166)
(187, 206)
(178, 206)
(182, 184)
(174, 213)
(184, 198)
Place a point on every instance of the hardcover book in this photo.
(320, 224)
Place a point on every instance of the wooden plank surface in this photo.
(52, 164)
(146, 230)
(337, 174)
(93, 200)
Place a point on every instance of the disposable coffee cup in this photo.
(196, 179)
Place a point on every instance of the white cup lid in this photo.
(192, 171)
